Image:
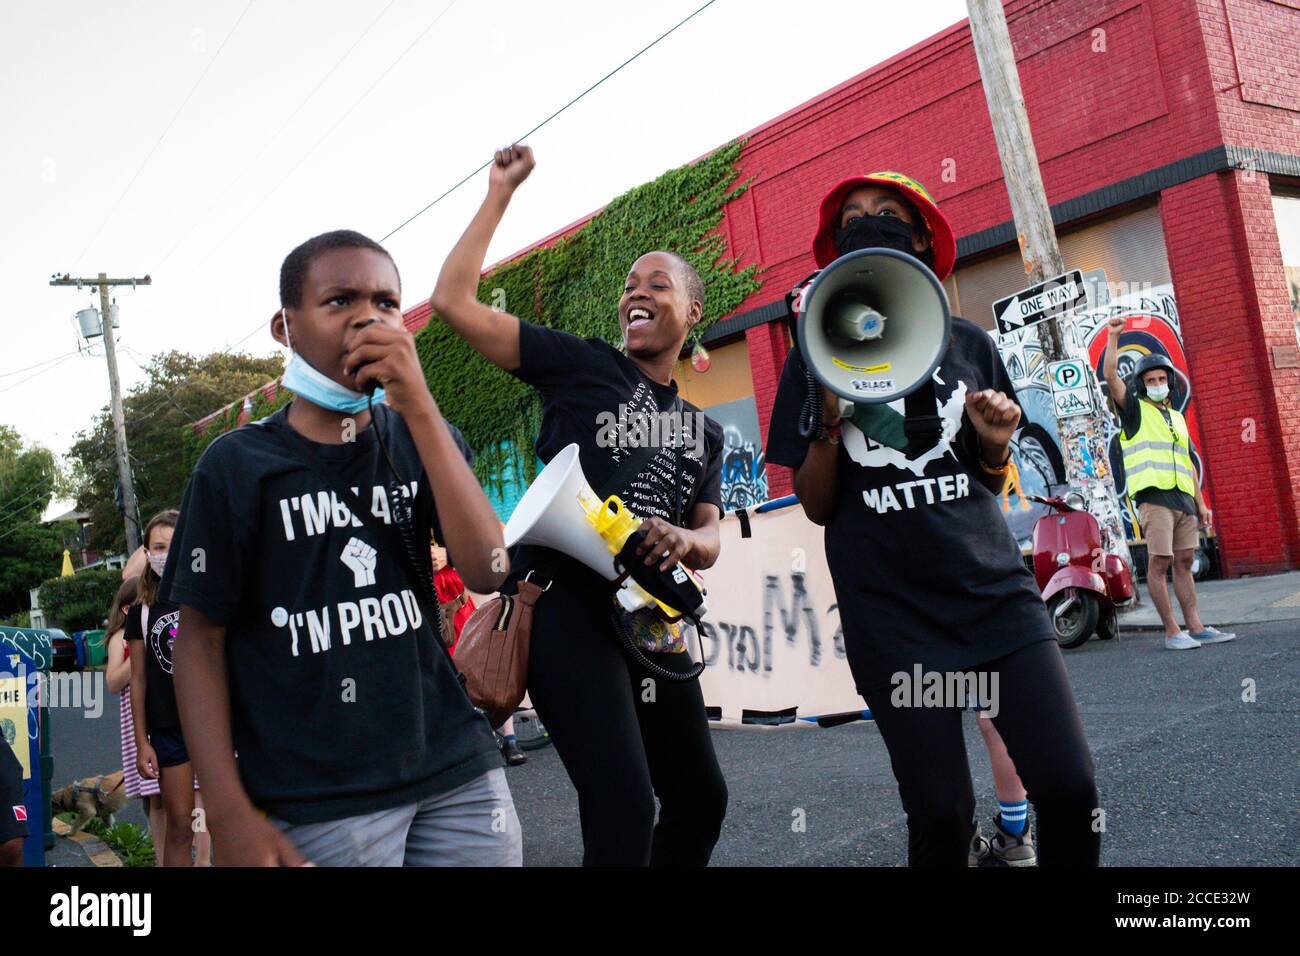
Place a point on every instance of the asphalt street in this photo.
(1190, 774)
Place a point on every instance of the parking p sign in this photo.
(1071, 390)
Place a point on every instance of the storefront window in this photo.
(1286, 212)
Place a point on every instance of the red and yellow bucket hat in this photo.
(941, 238)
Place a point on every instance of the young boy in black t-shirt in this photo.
(306, 641)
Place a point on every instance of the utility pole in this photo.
(119, 421)
(1083, 438)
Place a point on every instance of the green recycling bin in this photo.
(96, 648)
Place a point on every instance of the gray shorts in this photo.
(472, 825)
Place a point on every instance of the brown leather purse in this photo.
(492, 653)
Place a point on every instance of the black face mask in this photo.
(873, 232)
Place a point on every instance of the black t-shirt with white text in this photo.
(591, 394)
(341, 700)
(924, 566)
(1131, 421)
(159, 693)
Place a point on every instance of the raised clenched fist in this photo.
(360, 559)
(510, 167)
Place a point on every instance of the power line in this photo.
(328, 132)
(9, 388)
(28, 499)
(552, 116)
(167, 398)
(21, 501)
(148, 156)
(271, 139)
(20, 526)
(38, 364)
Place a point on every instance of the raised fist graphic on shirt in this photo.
(359, 558)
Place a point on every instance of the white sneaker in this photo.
(1182, 641)
(1212, 635)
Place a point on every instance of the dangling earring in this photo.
(699, 355)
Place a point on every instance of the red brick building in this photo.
(1171, 123)
(1168, 132)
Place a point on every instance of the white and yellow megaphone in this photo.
(561, 511)
(874, 325)
(872, 328)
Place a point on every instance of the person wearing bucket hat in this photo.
(928, 578)
(884, 209)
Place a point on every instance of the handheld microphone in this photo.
(373, 384)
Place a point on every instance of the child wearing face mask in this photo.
(117, 677)
(161, 754)
(927, 574)
(309, 639)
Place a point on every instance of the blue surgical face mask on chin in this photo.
(314, 386)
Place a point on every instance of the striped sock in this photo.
(509, 736)
(1014, 816)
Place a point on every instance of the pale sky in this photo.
(285, 137)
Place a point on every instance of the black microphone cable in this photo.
(401, 504)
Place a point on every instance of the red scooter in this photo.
(1082, 585)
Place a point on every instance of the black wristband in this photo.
(1002, 464)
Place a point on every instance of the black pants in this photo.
(1039, 722)
(624, 742)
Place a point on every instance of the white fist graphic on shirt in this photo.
(360, 559)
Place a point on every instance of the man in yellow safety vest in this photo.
(1163, 480)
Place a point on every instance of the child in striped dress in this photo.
(118, 677)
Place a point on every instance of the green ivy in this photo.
(575, 285)
(195, 443)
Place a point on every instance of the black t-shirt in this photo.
(159, 693)
(591, 393)
(1131, 420)
(341, 700)
(924, 567)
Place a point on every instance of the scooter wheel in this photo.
(1074, 614)
(1108, 625)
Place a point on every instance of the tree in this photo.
(82, 601)
(30, 551)
(180, 389)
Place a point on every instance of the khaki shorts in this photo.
(1167, 530)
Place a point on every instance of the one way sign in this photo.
(1053, 298)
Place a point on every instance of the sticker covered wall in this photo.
(1152, 327)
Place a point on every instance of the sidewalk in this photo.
(1228, 603)
(80, 850)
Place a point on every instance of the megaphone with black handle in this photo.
(872, 327)
(561, 511)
